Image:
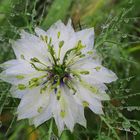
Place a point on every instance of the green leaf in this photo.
(58, 10)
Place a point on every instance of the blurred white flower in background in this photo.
(56, 74)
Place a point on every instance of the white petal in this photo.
(87, 38)
(66, 34)
(31, 47)
(30, 104)
(80, 117)
(19, 68)
(46, 114)
(96, 71)
(16, 93)
(96, 109)
(40, 32)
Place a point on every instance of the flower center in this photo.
(59, 74)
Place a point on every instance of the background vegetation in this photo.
(117, 28)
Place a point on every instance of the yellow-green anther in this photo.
(20, 77)
(50, 41)
(42, 37)
(90, 52)
(34, 59)
(34, 79)
(34, 82)
(58, 34)
(62, 113)
(84, 72)
(58, 94)
(22, 57)
(80, 46)
(46, 39)
(61, 43)
(40, 109)
(43, 89)
(85, 103)
(98, 68)
(82, 55)
(65, 79)
(93, 89)
(21, 86)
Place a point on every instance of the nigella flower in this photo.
(57, 74)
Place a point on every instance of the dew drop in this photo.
(126, 20)
(126, 125)
(124, 35)
(123, 101)
(116, 29)
(127, 90)
(129, 109)
(7, 102)
(116, 19)
(105, 26)
(138, 122)
(134, 133)
(130, 1)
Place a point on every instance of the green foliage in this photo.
(58, 10)
(118, 42)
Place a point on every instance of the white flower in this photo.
(56, 74)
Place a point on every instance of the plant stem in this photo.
(50, 129)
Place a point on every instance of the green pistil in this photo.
(59, 70)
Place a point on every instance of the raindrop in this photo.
(116, 29)
(129, 109)
(116, 18)
(126, 125)
(7, 102)
(134, 133)
(124, 35)
(121, 108)
(123, 101)
(130, 1)
(126, 20)
(105, 26)
(12, 15)
(127, 129)
(127, 90)
(138, 122)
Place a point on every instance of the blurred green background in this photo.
(117, 38)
